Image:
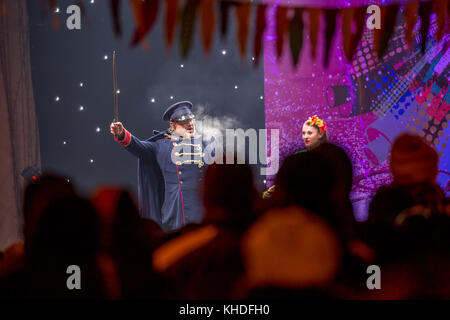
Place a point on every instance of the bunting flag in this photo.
(296, 34)
(3, 8)
(115, 6)
(410, 16)
(330, 26)
(145, 14)
(347, 15)
(388, 19)
(187, 25)
(425, 9)
(441, 8)
(208, 22)
(359, 19)
(170, 23)
(53, 4)
(314, 18)
(225, 7)
(243, 16)
(281, 28)
(259, 33)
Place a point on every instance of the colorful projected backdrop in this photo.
(366, 103)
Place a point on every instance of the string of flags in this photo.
(291, 23)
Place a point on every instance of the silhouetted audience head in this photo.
(38, 194)
(66, 234)
(290, 248)
(228, 193)
(306, 180)
(413, 160)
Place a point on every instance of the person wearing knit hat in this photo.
(413, 160)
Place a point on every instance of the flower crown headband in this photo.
(317, 122)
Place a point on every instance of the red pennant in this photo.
(208, 23)
(351, 39)
(441, 8)
(314, 18)
(3, 8)
(410, 16)
(330, 27)
(171, 21)
(259, 33)
(388, 19)
(359, 17)
(243, 16)
(296, 26)
(115, 6)
(281, 27)
(425, 9)
(145, 14)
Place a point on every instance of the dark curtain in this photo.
(19, 135)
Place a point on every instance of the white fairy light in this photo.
(56, 98)
(118, 91)
(153, 100)
(91, 161)
(171, 97)
(235, 87)
(224, 52)
(64, 142)
(261, 97)
(81, 84)
(182, 65)
(105, 57)
(57, 10)
(97, 129)
(81, 108)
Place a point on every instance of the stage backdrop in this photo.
(366, 103)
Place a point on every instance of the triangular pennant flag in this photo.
(115, 6)
(187, 25)
(296, 34)
(359, 18)
(208, 23)
(347, 20)
(425, 9)
(259, 33)
(441, 8)
(410, 16)
(53, 4)
(3, 8)
(145, 14)
(225, 7)
(330, 27)
(171, 17)
(314, 18)
(243, 16)
(388, 19)
(281, 28)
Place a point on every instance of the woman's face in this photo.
(311, 136)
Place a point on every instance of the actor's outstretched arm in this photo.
(140, 149)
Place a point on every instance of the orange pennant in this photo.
(243, 16)
(171, 21)
(441, 8)
(314, 18)
(259, 33)
(282, 23)
(3, 9)
(330, 27)
(382, 36)
(351, 39)
(410, 16)
(145, 14)
(347, 19)
(208, 23)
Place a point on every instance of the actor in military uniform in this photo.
(170, 168)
